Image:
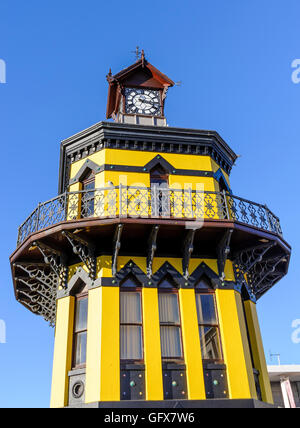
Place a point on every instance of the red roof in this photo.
(142, 74)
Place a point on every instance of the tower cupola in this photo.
(137, 94)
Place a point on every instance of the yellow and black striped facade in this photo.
(125, 239)
(102, 376)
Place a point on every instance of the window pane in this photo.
(131, 342)
(87, 202)
(206, 309)
(168, 308)
(210, 343)
(131, 282)
(80, 355)
(170, 342)
(204, 284)
(89, 186)
(130, 307)
(167, 283)
(81, 314)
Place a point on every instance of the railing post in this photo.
(19, 232)
(190, 202)
(267, 213)
(154, 210)
(226, 205)
(66, 206)
(120, 200)
(37, 217)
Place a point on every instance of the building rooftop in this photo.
(291, 371)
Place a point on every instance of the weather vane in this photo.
(137, 53)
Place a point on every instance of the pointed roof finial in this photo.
(108, 76)
(143, 56)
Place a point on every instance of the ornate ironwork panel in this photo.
(256, 270)
(142, 202)
(51, 212)
(37, 289)
(84, 250)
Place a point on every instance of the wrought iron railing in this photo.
(142, 202)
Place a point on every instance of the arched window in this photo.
(88, 195)
(80, 327)
(131, 323)
(170, 324)
(159, 180)
(223, 187)
(208, 322)
(159, 176)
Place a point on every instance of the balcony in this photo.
(80, 226)
(149, 203)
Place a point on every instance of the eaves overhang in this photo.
(191, 141)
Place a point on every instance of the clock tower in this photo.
(148, 265)
(137, 94)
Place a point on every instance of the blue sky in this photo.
(234, 60)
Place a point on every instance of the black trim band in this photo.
(145, 169)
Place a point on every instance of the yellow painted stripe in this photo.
(93, 372)
(191, 345)
(152, 349)
(103, 348)
(62, 360)
(110, 344)
(235, 345)
(258, 351)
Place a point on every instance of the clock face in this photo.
(142, 101)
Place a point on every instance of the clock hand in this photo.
(146, 101)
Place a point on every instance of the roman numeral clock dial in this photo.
(142, 101)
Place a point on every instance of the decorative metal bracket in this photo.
(116, 248)
(261, 271)
(248, 258)
(84, 250)
(57, 260)
(39, 272)
(38, 288)
(265, 273)
(188, 248)
(152, 246)
(223, 251)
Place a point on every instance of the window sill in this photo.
(132, 366)
(211, 365)
(76, 372)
